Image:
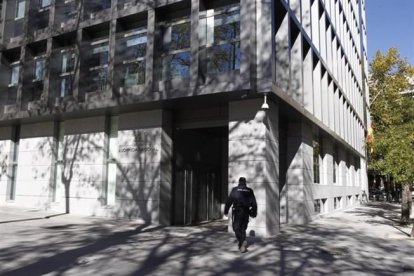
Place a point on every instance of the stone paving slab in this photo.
(365, 240)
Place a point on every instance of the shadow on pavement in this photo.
(333, 247)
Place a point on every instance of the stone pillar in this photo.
(165, 205)
(254, 154)
(6, 151)
(327, 161)
(299, 175)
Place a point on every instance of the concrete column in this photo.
(194, 43)
(111, 65)
(254, 154)
(248, 15)
(327, 161)
(342, 167)
(299, 177)
(364, 176)
(6, 148)
(144, 181)
(166, 164)
(149, 58)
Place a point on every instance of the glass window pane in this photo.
(99, 80)
(177, 65)
(66, 87)
(15, 72)
(44, 3)
(223, 58)
(227, 26)
(100, 49)
(100, 56)
(134, 74)
(136, 47)
(68, 62)
(180, 37)
(40, 69)
(20, 8)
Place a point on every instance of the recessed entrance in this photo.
(200, 169)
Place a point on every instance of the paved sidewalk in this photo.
(365, 240)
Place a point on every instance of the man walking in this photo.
(244, 205)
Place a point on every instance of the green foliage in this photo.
(391, 151)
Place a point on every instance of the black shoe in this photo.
(243, 247)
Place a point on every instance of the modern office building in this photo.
(152, 110)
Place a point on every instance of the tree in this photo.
(392, 113)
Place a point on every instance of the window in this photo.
(66, 86)
(177, 65)
(15, 72)
(20, 9)
(316, 154)
(136, 46)
(134, 74)
(44, 3)
(176, 58)
(130, 57)
(98, 65)
(177, 37)
(68, 62)
(100, 55)
(39, 69)
(220, 35)
(99, 77)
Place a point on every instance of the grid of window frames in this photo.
(134, 45)
(68, 59)
(176, 56)
(219, 34)
(98, 65)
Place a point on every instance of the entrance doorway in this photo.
(200, 167)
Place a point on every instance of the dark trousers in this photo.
(240, 222)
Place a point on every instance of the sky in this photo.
(390, 23)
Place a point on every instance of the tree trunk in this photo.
(412, 232)
(406, 204)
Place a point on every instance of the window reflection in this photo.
(66, 86)
(178, 37)
(219, 34)
(136, 46)
(99, 79)
(100, 55)
(176, 56)
(68, 62)
(20, 9)
(177, 65)
(130, 57)
(224, 57)
(134, 74)
(15, 72)
(44, 3)
(39, 69)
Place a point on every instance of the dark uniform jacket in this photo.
(242, 198)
